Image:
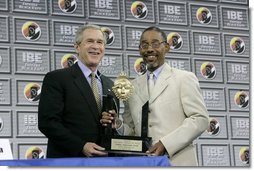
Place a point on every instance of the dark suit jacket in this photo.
(68, 115)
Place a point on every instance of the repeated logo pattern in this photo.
(209, 38)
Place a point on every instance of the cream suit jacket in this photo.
(177, 113)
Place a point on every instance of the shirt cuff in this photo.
(120, 129)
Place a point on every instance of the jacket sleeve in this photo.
(50, 114)
(196, 114)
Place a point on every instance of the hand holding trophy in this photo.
(120, 144)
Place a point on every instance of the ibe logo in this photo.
(108, 61)
(136, 34)
(32, 57)
(211, 95)
(172, 10)
(239, 69)
(206, 40)
(104, 4)
(177, 64)
(68, 30)
(235, 15)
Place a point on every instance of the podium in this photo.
(144, 161)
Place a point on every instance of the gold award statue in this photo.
(122, 87)
(128, 145)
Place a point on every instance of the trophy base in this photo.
(126, 153)
(127, 145)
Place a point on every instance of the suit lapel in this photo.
(161, 82)
(142, 89)
(85, 89)
(106, 86)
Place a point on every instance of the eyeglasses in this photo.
(154, 45)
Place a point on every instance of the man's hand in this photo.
(92, 149)
(157, 149)
(110, 117)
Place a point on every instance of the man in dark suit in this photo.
(69, 111)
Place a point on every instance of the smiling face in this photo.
(92, 48)
(153, 57)
(122, 87)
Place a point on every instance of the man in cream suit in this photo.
(177, 113)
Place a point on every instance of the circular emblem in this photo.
(237, 45)
(208, 70)
(31, 30)
(241, 99)
(244, 155)
(1, 124)
(175, 41)
(68, 60)
(67, 6)
(110, 37)
(139, 10)
(140, 66)
(204, 16)
(34, 153)
(32, 92)
(214, 127)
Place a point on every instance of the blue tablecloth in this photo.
(93, 162)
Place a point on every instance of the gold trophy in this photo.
(127, 145)
(122, 87)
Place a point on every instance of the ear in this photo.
(77, 48)
(167, 47)
(140, 51)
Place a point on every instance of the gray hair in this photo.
(81, 29)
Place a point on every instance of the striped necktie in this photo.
(95, 90)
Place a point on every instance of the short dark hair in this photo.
(153, 28)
